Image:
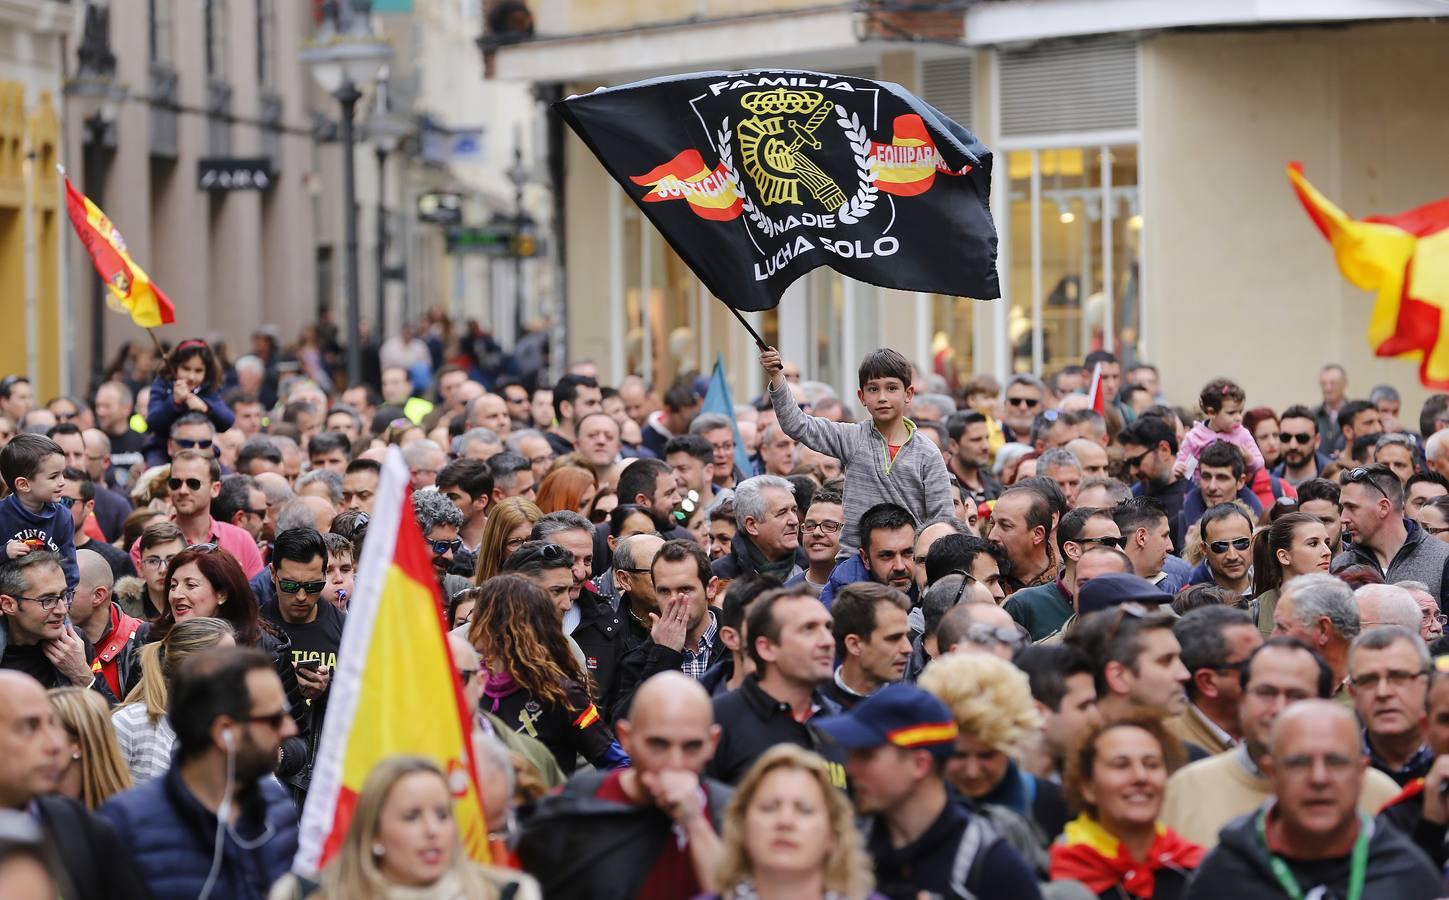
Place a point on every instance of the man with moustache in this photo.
(886, 556)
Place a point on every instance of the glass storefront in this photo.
(1074, 228)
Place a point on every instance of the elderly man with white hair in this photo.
(1388, 676)
(1384, 605)
(1320, 611)
(1436, 452)
(425, 460)
(1431, 620)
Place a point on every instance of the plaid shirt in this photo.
(696, 660)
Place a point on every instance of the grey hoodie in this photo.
(1422, 558)
(916, 479)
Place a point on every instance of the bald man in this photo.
(116, 637)
(323, 512)
(1316, 764)
(32, 744)
(1091, 455)
(605, 828)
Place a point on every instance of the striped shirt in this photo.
(145, 745)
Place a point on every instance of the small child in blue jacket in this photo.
(190, 381)
(35, 516)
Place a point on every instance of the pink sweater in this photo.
(1200, 436)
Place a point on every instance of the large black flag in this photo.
(755, 178)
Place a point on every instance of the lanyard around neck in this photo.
(1357, 862)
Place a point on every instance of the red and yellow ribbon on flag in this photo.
(1404, 259)
(395, 690)
(131, 291)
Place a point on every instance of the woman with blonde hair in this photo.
(569, 488)
(143, 734)
(95, 769)
(403, 843)
(789, 833)
(507, 529)
(991, 701)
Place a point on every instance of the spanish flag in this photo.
(131, 290)
(908, 165)
(395, 689)
(685, 177)
(1405, 260)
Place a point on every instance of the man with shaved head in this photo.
(1092, 457)
(116, 637)
(32, 743)
(650, 830)
(1310, 840)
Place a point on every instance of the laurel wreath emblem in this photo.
(851, 211)
(860, 205)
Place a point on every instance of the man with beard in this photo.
(1024, 397)
(195, 480)
(440, 519)
(1298, 436)
(1044, 609)
(872, 641)
(1137, 658)
(1149, 451)
(969, 455)
(886, 556)
(1396, 548)
(229, 712)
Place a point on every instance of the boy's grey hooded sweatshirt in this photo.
(916, 479)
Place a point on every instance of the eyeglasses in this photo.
(258, 512)
(207, 547)
(1398, 679)
(984, 635)
(514, 543)
(157, 562)
(1288, 437)
(192, 484)
(1102, 541)
(541, 460)
(1436, 617)
(272, 720)
(1240, 666)
(1135, 610)
(189, 444)
(1027, 402)
(1131, 462)
(1236, 543)
(1363, 475)
(1432, 530)
(967, 579)
(67, 502)
(288, 586)
(441, 547)
(50, 601)
(810, 525)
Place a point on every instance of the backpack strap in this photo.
(980, 835)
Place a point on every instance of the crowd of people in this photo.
(982, 641)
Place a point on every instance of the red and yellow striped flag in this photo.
(1405, 260)
(395, 689)
(131, 290)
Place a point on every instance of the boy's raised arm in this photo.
(820, 435)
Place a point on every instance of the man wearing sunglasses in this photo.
(440, 521)
(1382, 538)
(1024, 397)
(192, 431)
(1227, 539)
(1300, 441)
(196, 480)
(1217, 642)
(1043, 610)
(297, 578)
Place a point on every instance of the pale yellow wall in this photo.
(571, 16)
(1228, 245)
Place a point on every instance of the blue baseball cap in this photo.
(899, 714)
(1107, 591)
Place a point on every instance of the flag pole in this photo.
(759, 341)
(156, 342)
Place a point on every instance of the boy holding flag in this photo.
(884, 461)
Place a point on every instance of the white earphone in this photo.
(227, 738)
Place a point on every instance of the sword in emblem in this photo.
(820, 185)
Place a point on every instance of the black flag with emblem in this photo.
(755, 178)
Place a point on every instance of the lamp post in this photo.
(387, 134)
(345, 57)
(518, 175)
(95, 93)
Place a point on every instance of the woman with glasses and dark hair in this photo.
(1295, 544)
(991, 701)
(533, 682)
(1116, 776)
(509, 523)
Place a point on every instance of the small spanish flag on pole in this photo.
(1097, 402)
(395, 689)
(132, 291)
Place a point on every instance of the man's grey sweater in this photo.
(916, 479)
(1421, 557)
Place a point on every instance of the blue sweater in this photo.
(850, 571)
(170, 836)
(53, 525)
(162, 412)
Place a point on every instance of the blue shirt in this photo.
(52, 526)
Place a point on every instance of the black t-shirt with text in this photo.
(317, 639)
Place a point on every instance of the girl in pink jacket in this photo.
(1222, 402)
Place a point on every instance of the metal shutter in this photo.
(949, 85)
(1069, 86)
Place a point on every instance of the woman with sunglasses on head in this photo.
(94, 768)
(1116, 775)
(403, 843)
(145, 597)
(205, 580)
(991, 701)
(1295, 544)
(190, 381)
(143, 734)
(533, 681)
(509, 523)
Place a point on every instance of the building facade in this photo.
(1139, 187)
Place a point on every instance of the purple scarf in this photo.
(499, 685)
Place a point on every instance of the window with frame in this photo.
(160, 19)
(266, 31)
(215, 24)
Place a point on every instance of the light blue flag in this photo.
(717, 400)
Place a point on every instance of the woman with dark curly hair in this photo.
(1116, 775)
(533, 682)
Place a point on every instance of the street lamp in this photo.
(387, 133)
(95, 93)
(345, 57)
(518, 174)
